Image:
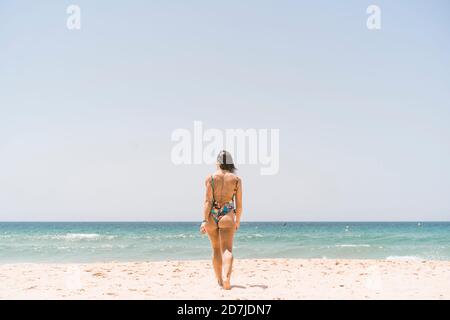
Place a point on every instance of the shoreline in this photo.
(251, 279)
(390, 258)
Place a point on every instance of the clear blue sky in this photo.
(86, 116)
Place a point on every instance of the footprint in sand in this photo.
(262, 286)
(111, 294)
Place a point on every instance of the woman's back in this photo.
(225, 185)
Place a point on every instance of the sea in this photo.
(84, 242)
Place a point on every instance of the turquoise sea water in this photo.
(146, 241)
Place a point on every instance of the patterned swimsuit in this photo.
(217, 212)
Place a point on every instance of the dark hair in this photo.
(226, 161)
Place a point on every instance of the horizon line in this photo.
(195, 221)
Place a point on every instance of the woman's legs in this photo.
(214, 237)
(227, 228)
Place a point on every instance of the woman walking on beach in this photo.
(222, 215)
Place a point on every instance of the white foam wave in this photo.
(403, 258)
(82, 235)
(256, 235)
(78, 236)
(352, 245)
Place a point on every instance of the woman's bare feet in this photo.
(226, 284)
(220, 282)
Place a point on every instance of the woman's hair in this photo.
(225, 161)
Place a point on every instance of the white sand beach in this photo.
(252, 279)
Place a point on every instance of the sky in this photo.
(86, 116)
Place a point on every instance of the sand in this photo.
(253, 279)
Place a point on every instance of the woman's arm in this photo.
(208, 199)
(238, 203)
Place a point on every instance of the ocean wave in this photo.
(178, 236)
(106, 246)
(257, 235)
(169, 236)
(352, 245)
(403, 258)
(66, 236)
(77, 236)
(81, 236)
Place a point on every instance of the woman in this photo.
(222, 215)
